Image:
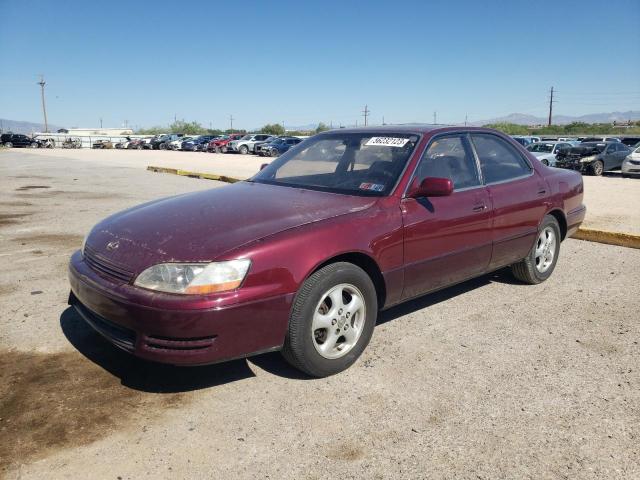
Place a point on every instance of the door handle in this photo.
(479, 208)
(542, 191)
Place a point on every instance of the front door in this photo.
(446, 239)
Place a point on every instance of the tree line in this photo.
(195, 128)
(570, 129)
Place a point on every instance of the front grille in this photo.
(103, 266)
(634, 162)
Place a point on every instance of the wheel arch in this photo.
(365, 262)
(562, 221)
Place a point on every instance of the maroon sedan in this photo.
(303, 256)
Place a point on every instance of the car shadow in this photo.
(144, 375)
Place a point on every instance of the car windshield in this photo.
(349, 163)
(541, 147)
(246, 137)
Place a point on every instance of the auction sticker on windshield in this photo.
(387, 141)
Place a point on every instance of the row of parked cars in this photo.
(258, 143)
(590, 155)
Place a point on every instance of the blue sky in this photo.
(302, 62)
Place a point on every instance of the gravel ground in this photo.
(488, 379)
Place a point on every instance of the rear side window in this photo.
(449, 157)
(499, 160)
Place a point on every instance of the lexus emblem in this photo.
(111, 246)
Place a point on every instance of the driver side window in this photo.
(449, 157)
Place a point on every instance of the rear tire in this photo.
(8, 144)
(539, 264)
(243, 149)
(332, 320)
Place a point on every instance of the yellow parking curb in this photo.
(610, 238)
(187, 173)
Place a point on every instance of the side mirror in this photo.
(431, 187)
(263, 166)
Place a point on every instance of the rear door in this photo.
(446, 239)
(517, 194)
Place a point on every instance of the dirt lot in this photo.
(488, 379)
(612, 201)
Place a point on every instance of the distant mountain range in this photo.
(15, 126)
(524, 119)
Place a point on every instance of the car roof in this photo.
(410, 128)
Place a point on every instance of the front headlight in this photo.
(587, 159)
(194, 278)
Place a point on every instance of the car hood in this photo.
(202, 226)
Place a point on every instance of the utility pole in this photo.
(100, 122)
(42, 83)
(383, 120)
(365, 113)
(283, 129)
(231, 120)
(466, 117)
(550, 106)
(435, 118)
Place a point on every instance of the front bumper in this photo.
(179, 336)
(582, 167)
(631, 167)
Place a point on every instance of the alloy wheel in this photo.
(545, 249)
(338, 321)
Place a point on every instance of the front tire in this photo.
(332, 320)
(243, 149)
(597, 168)
(543, 257)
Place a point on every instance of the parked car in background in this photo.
(161, 142)
(146, 143)
(135, 144)
(631, 164)
(102, 144)
(220, 145)
(124, 144)
(525, 142)
(245, 144)
(195, 144)
(72, 142)
(630, 141)
(257, 147)
(278, 146)
(600, 139)
(593, 158)
(177, 144)
(546, 151)
(18, 140)
(304, 256)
